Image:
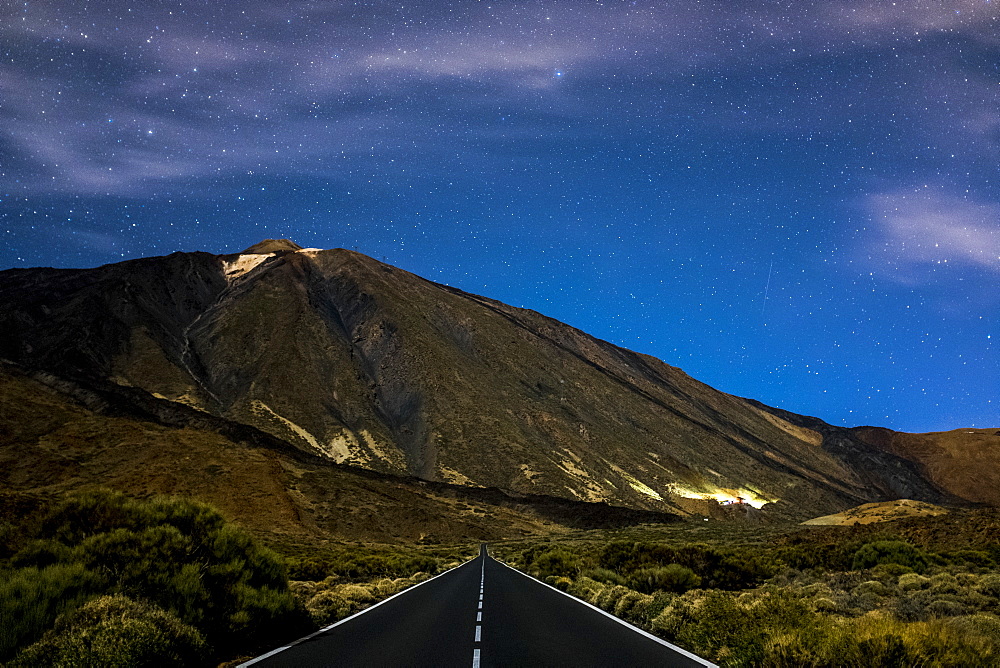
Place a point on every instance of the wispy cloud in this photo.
(231, 89)
(928, 228)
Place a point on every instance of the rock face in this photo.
(59, 436)
(368, 365)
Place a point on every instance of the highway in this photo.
(479, 615)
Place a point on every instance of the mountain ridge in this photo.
(369, 365)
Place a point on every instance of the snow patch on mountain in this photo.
(243, 264)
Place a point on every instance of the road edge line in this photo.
(347, 619)
(679, 650)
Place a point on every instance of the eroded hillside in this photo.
(367, 365)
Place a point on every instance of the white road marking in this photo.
(661, 641)
(479, 615)
(346, 619)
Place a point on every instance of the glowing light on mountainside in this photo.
(723, 496)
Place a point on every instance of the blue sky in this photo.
(792, 201)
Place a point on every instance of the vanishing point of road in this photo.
(481, 614)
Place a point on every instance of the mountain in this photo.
(59, 436)
(367, 366)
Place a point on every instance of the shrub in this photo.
(651, 607)
(586, 589)
(628, 600)
(979, 558)
(880, 641)
(945, 608)
(913, 581)
(116, 631)
(608, 598)
(558, 562)
(328, 601)
(42, 553)
(618, 555)
(890, 552)
(604, 575)
(674, 577)
(178, 554)
(734, 629)
(989, 585)
(909, 609)
(891, 571)
(873, 587)
(985, 627)
(31, 599)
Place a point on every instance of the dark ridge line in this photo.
(744, 448)
(114, 400)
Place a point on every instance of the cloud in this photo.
(929, 228)
(227, 89)
(974, 18)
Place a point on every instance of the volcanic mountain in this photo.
(364, 365)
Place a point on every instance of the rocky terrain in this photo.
(872, 513)
(61, 437)
(348, 363)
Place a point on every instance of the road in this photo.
(481, 614)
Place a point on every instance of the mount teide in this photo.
(370, 366)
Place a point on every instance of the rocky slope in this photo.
(884, 511)
(367, 365)
(60, 436)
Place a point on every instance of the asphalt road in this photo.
(481, 614)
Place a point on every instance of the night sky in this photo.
(793, 201)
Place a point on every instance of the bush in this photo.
(177, 554)
(879, 641)
(673, 577)
(989, 585)
(329, 601)
(626, 606)
(608, 598)
(116, 631)
(362, 567)
(558, 562)
(586, 589)
(717, 568)
(31, 599)
(913, 581)
(890, 552)
(604, 575)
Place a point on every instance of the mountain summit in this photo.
(367, 365)
(272, 246)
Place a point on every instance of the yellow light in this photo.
(723, 496)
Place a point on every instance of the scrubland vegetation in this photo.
(100, 579)
(880, 602)
(336, 583)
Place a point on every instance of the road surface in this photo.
(481, 614)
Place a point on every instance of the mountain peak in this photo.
(272, 246)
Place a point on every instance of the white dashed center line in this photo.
(479, 614)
